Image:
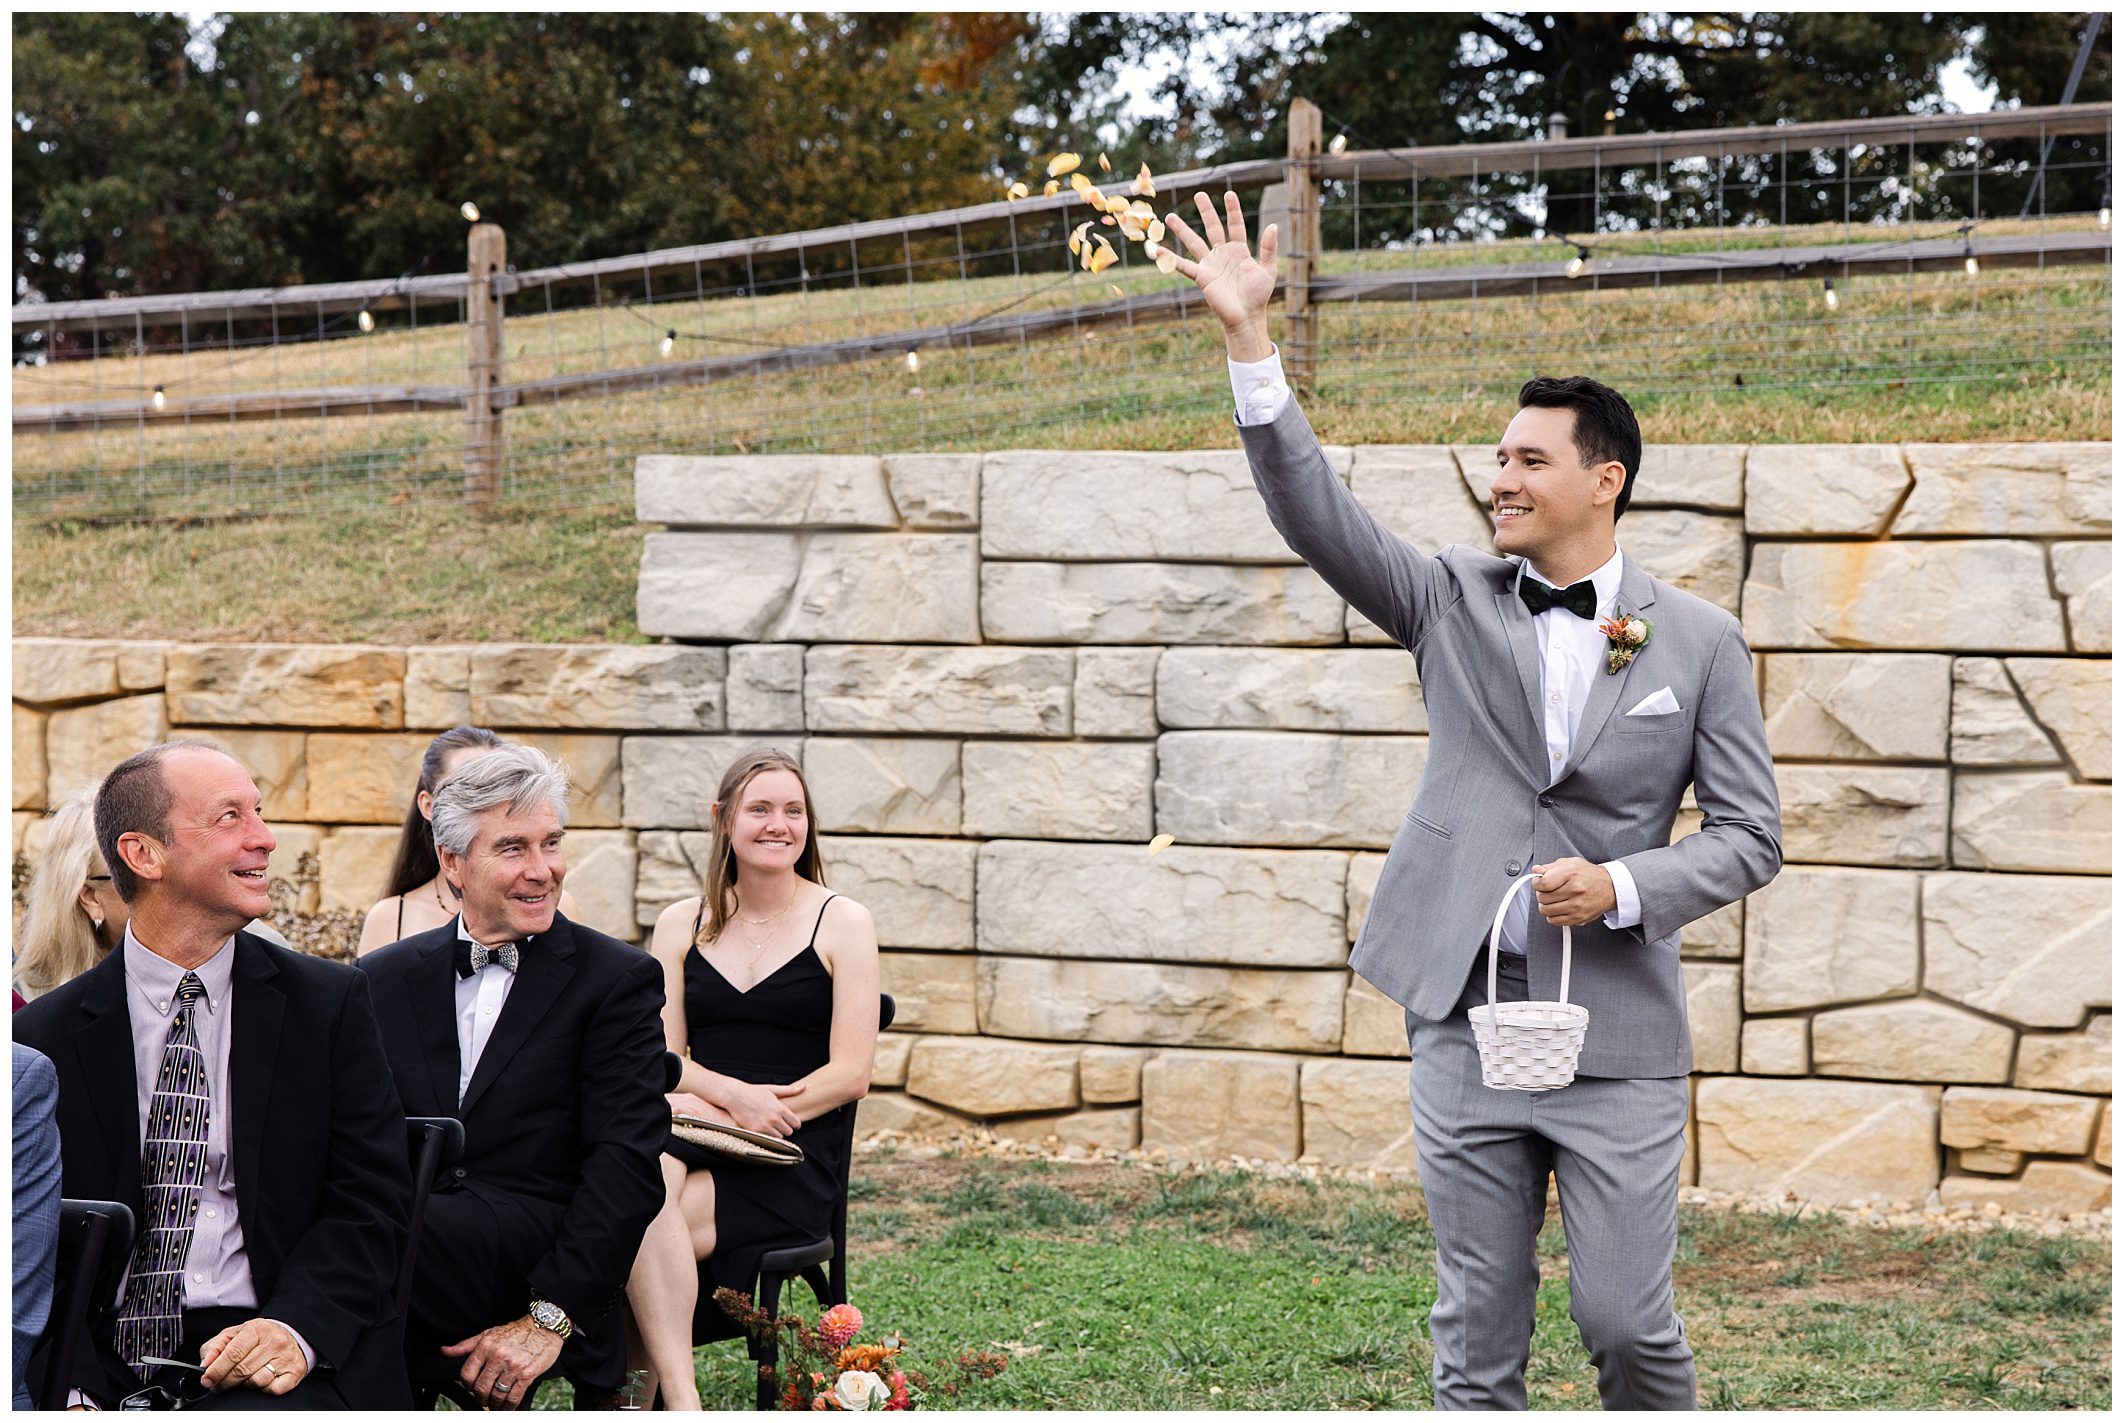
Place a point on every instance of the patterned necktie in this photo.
(172, 1165)
(471, 957)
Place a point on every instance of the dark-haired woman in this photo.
(418, 897)
(771, 1001)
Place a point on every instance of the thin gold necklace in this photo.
(774, 916)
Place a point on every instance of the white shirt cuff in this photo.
(1259, 391)
(1628, 912)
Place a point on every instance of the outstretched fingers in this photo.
(1212, 225)
(1234, 219)
(1188, 239)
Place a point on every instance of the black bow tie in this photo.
(471, 957)
(1539, 597)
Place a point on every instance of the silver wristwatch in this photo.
(551, 1317)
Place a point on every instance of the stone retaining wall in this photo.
(1004, 673)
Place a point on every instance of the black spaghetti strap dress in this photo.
(776, 1032)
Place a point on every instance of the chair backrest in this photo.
(95, 1242)
(433, 1144)
(837, 1272)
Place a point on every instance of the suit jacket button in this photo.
(459, 1173)
(1548, 800)
(1513, 869)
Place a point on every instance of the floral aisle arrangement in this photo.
(824, 1369)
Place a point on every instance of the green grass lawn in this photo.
(1113, 1287)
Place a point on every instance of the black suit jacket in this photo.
(319, 1146)
(566, 1106)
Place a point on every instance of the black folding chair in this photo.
(434, 1144)
(821, 1264)
(95, 1242)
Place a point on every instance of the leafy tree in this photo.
(112, 136)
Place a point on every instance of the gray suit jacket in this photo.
(1488, 806)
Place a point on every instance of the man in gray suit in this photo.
(1560, 750)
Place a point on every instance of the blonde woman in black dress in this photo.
(771, 1000)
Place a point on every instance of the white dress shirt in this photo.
(1572, 651)
(479, 1004)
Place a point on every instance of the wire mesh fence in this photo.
(1818, 261)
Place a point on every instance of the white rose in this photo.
(860, 1390)
(1637, 631)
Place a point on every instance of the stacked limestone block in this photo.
(1005, 673)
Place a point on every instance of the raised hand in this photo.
(1236, 284)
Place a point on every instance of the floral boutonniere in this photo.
(1627, 636)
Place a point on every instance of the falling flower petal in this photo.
(1143, 183)
(1116, 290)
(1016, 191)
(1167, 262)
(1076, 238)
(1109, 221)
(1143, 210)
(1062, 163)
(1159, 843)
(1105, 257)
(1083, 185)
(1156, 231)
(1054, 185)
(1104, 166)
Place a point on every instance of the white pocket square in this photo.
(1660, 701)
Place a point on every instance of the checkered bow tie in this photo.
(1539, 597)
(471, 957)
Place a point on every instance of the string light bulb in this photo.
(471, 211)
(914, 360)
(157, 399)
(1969, 258)
(670, 340)
(1577, 264)
(365, 321)
(1339, 142)
(1829, 297)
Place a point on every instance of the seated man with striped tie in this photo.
(236, 1097)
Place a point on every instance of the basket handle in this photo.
(1497, 931)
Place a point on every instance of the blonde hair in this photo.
(56, 940)
(719, 895)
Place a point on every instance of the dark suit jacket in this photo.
(566, 1107)
(319, 1146)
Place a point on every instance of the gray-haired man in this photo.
(543, 1037)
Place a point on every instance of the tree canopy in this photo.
(315, 147)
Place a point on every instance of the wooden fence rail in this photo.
(486, 394)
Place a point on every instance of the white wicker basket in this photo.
(1531, 1046)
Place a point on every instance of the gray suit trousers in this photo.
(1485, 1155)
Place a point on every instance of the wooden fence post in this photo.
(1302, 245)
(486, 257)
